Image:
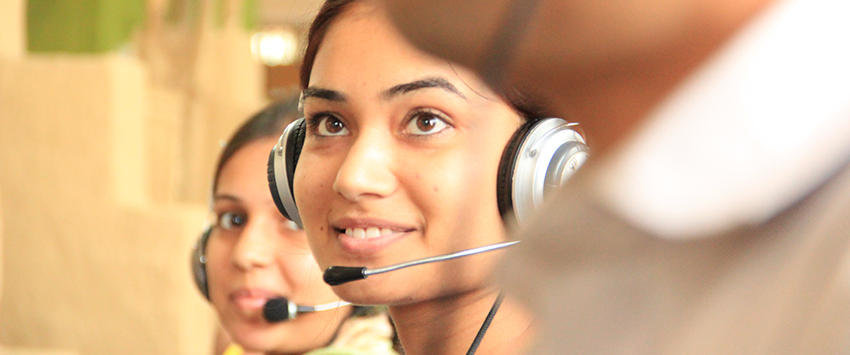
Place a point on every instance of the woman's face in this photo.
(255, 254)
(399, 163)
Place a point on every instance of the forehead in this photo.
(362, 52)
(246, 168)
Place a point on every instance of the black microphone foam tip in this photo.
(338, 275)
(278, 310)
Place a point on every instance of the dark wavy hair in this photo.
(267, 123)
(524, 105)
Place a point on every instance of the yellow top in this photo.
(234, 349)
(370, 335)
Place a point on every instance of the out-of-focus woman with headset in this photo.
(256, 269)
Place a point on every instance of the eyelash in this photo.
(220, 220)
(418, 112)
(315, 119)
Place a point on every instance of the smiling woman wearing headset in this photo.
(399, 158)
(256, 269)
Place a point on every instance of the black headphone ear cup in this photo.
(293, 153)
(507, 166)
(199, 263)
(283, 160)
(273, 183)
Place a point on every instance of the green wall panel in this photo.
(82, 26)
(94, 26)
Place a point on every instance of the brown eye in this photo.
(425, 122)
(230, 220)
(331, 126)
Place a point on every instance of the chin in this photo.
(395, 289)
(367, 292)
(253, 342)
(263, 342)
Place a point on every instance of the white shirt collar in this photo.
(752, 131)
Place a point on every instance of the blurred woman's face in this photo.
(399, 162)
(255, 254)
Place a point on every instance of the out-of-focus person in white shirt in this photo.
(714, 217)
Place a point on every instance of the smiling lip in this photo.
(251, 298)
(364, 237)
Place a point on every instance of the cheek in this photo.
(313, 189)
(217, 269)
(474, 194)
(459, 184)
(301, 268)
(434, 184)
(306, 278)
(313, 183)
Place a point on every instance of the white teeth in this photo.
(367, 233)
(373, 232)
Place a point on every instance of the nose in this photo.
(367, 171)
(253, 248)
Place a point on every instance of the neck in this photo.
(449, 325)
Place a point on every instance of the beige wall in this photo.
(104, 172)
(12, 48)
(90, 263)
(186, 127)
(12, 28)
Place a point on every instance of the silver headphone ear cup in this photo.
(199, 263)
(544, 155)
(281, 169)
(565, 162)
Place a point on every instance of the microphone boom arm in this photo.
(432, 259)
(337, 275)
(323, 307)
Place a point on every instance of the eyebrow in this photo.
(426, 83)
(432, 82)
(226, 197)
(321, 93)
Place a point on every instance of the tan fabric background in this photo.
(105, 171)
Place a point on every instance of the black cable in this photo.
(487, 321)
